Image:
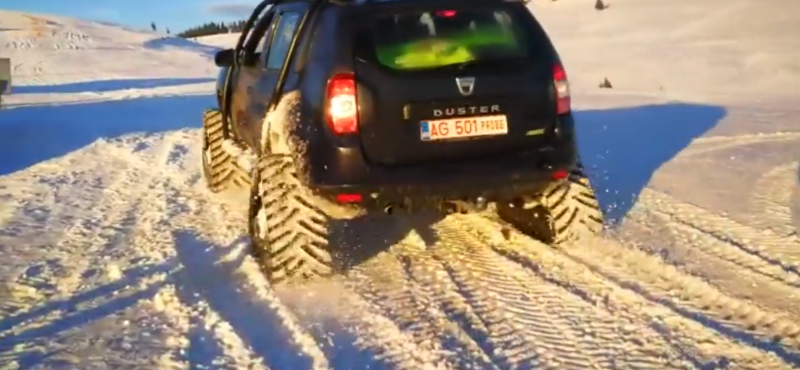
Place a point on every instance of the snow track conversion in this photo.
(114, 255)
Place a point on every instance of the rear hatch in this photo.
(452, 83)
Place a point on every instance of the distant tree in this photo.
(212, 28)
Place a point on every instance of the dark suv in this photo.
(330, 109)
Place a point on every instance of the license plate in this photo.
(456, 128)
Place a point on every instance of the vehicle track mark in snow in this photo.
(506, 297)
(77, 215)
(771, 201)
(710, 144)
(723, 265)
(703, 343)
(367, 339)
(471, 313)
(209, 338)
(386, 282)
(782, 251)
(66, 325)
(234, 287)
(700, 252)
(154, 240)
(746, 138)
(692, 297)
(580, 335)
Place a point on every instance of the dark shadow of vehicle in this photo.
(357, 240)
(180, 43)
(108, 85)
(29, 135)
(623, 147)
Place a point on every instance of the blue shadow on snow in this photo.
(108, 85)
(29, 135)
(623, 147)
(181, 43)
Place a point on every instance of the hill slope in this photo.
(49, 50)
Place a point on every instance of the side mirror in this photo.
(224, 58)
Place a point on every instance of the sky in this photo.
(177, 15)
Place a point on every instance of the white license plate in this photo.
(456, 128)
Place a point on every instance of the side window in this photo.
(263, 44)
(283, 38)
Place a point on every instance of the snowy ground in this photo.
(114, 256)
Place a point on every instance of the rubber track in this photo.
(224, 174)
(296, 240)
(573, 211)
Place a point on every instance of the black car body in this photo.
(386, 154)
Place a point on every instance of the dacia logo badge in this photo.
(465, 85)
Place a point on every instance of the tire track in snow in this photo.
(563, 326)
(771, 202)
(329, 310)
(698, 244)
(690, 296)
(724, 266)
(530, 322)
(207, 338)
(601, 338)
(92, 214)
(781, 251)
(710, 144)
(179, 301)
(231, 283)
(386, 282)
(495, 336)
(702, 343)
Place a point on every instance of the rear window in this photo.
(440, 38)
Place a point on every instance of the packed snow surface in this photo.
(114, 256)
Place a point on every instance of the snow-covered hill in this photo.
(97, 60)
(114, 256)
(225, 40)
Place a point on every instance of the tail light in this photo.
(446, 13)
(563, 101)
(342, 107)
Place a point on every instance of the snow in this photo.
(115, 256)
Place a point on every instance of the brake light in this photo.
(446, 13)
(563, 100)
(342, 107)
(348, 198)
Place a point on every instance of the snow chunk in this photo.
(279, 122)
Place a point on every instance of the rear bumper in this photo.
(337, 170)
